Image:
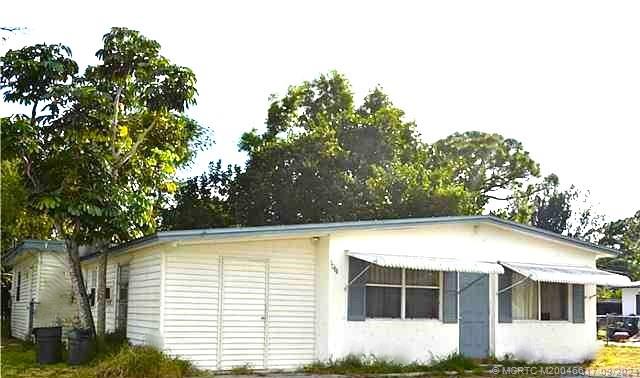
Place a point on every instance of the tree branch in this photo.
(114, 123)
(135, 147)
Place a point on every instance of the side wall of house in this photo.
(423, 339)
(54, 305)
(196, 325)
(110, 305)
(629, 300)
(27, 266)
(143, 315)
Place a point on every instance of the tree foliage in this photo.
(99, 149)
(325, 158)
(201, 201)
(623, 234)
(18, 221)
(322, 158)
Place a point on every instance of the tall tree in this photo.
(623, 234)
(545, 204)
(107, 146)
(202, 201)
(324, 159)
(489, 166)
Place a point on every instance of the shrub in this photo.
(142, 362)
(455, 362)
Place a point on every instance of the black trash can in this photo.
(80, 347)
(49, 340)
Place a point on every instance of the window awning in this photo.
(428, 263)
(567, 274)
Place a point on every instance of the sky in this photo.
(562, 77)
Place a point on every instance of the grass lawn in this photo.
(18, 359)
(617, 357)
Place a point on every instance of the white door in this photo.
(243, 313)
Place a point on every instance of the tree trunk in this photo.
(78, 285)
(102, 290)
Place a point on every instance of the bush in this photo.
(455, 362)
(142, 362)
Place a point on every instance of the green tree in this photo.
(107, 145)
(323, 159)
(18, 221)
(623, 234)
(548, 206)
(488, 166)
(201, 201)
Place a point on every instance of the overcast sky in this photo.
(563, 77)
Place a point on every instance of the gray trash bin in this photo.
(49, 344)
(80, 347)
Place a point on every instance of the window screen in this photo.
(554, 301)
(421, 278)
(384, 293)
(524, 298)
(383, 302)
(385, 276)
(422, 303)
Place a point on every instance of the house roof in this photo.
(319, 229)
(31, 245)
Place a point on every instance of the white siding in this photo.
(191, 312)
(27, 268)
(54, 305)
(110, 305)
(143, 316)
(629, 300)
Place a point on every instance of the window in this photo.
(384, 292)
(18, 286)
(524, 298)
(533, 300)
(92, 280)
(387, 288)
(554, 301)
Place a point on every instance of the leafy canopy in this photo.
(324, 159)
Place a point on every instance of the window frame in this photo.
(403, 295)
(569, 305)
(18, 285)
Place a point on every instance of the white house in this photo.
(41, 288)
(631, 299)
(277, 297)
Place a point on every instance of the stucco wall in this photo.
(551, 341)
(404, 340)
(629, 300)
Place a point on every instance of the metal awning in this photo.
(428, 263)
(567, 274)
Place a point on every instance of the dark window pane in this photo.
(382, 275)
(554, 301)
(421, 277)
(422, 303)
(383, 302)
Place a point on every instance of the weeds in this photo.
(142, 362)
(242, 370)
